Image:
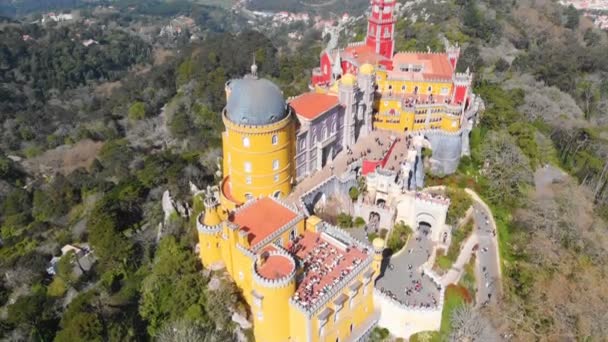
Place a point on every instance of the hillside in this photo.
(102, 114)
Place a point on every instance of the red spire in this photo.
(381, 28)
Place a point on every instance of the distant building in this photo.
(418, 92)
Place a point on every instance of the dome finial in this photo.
(254, 68)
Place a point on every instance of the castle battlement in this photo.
(274, 269)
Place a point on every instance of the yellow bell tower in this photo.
(259, 141)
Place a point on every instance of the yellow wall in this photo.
(357, 314)
(384, 82)
(209, 248)
(261, 153)
(271, 319)
(406, 120)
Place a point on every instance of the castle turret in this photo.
(366, 80)
(381, 28)
(378, 245)
(209, 226)
(462, 85)
(259, 141)
(346, 96)
(273, 285)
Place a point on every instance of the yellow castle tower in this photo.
(209, 227)
(258, 143)
(303, 279)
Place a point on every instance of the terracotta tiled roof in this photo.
(362, 54)
(275, 267)
(262, 218)
(311, 105)
(323, 263)
(226, 190)
(436, 65)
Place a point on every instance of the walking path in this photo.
(340, 164)
(487, 265)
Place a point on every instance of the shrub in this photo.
(359, 221)
(345, 220)
(353, 193)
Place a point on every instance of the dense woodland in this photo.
(150, 108)
(154, 124)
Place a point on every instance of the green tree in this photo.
(84, 326)
(398, 236)
(137, 111)
(572, 17)
(344, 220)
(353, 193)
(166, 293)
(460, 202)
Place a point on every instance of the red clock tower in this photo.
(381, 28)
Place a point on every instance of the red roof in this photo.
(276, 266)
(435, 65)
(311, 105)
(226, 190)
(362, 54)
(323, 262)
(262, 218)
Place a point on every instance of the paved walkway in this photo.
(341, 163)
(453, 275)
(487, 265)
(406, 273)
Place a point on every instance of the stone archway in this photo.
(373, 222)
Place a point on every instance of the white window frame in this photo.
(276, 178)
(247, 167)
(275, 139)
(275, 164)
(246, 142)
(248, 180)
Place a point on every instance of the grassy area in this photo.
(458, 236)
(455, 296)
(468, 277)
(443, 262)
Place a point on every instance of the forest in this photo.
(93, 135)
(142, 126)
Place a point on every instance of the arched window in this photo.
(403, 88)
(275, 139)
(246, 141)
(247, 166)
(430, 89)
(275, 164)
(416, 90)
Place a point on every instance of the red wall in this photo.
(370, 165)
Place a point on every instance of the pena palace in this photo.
(304, 279)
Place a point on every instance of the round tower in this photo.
(209, 226)
(378, 245)
(259, 141)
(273, 285)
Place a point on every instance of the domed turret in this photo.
(367, 69)
(378, 245)
(254, 101)
(209, 226)
(348, 79)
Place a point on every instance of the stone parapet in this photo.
(281, 281)
(205, 229)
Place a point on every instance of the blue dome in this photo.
(254, 101)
